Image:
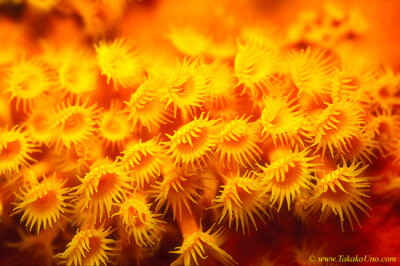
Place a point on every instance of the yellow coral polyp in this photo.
(336, 125)
(43, 203)
(178, 190)
(188, 40)
(352, 84)
(16, 147)
(384, 91)
(29, 81)
(282, 120)
(237, 142)
(102, 187)
(192, 144)
(199, 244)
(114, 128)
(146, 106)
(78, 73)
(220, 82)
(38, 125)
(139, 221)
(143, 160)
(255, 64)
(288, 175)
(339, 191)
(311, 71)
(74, 123)
(384, 125)
(185, 87)
(119, 62)
(89, 247)
(78, 157)
(242, 198)
(360, 147)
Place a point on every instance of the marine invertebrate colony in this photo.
(168, 132)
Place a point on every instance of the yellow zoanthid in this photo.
(336, 125)
(360, 147)
(352, 83)
(43, 203)
(185, 87)
(221, 97)
(15, 149)
(200, 244)
(89, 247)
(282, 120)
(383, 125)
(220, 82)
(102, 187)
(189, 40)
(179, 189)
(192, 144)
(139, 220)
(384, 90)
(78, 72)
(146, 107)
(143, 161)
(256, 61)
(288, 175)
(338, 191)
(38, 123)
(119, 62)
(114, 128)
(238, 142)
(312, 72)
(74, 123)
(242, 198)
(29, 81)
